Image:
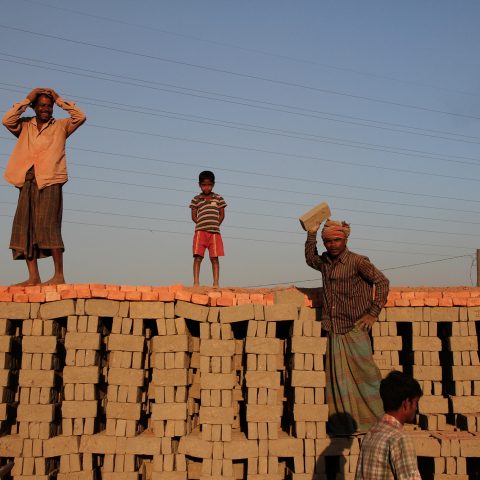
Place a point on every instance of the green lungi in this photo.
(353, 383)
(37, 224)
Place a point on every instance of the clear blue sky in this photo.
(373, 107)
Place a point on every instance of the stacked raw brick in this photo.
(141, 382)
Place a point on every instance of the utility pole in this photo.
(478, 267)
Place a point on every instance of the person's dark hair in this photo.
(397, 387)
(206, 175)
(45, 94)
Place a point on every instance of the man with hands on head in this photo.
(37, 167)
(354, 292)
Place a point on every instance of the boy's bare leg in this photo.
(57, 255)
(197, 260)
(33, 273)
(215, 270)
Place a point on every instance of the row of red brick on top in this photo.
(224, 297)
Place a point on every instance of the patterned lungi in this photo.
(353, 383)
(37, 224)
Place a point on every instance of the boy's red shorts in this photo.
(203, 240)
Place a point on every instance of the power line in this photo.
(237, 74)
(383, 269)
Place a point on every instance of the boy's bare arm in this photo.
(194, 215)
(221, 215)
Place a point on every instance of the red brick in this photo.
(390, 303)
(200, 299)
(52, 296)
(166, 296)
(16, 289)
(112, 288)
(214, 294)
(460, 301)
(243, 301)
(402, 302)
(473, 302)
(150, 296)
(408, 295)
(256, 298)
(184, 295)
(20, 297)
(83, 292)
(36, 297)
(176, 288)
(144, 288)
(224, 301)
(421, 294)
(431, 302)
(457, 293)
(3, 288)
(116, 295)
(64, 294)
(48, 288)
(97, 286)
(417, 302)
(445, 302)
(394, 295)
(65, 286)
(133, 296)
(128, 288)
(33, 289)
(268, 299)
(308, 302)
(99, 293)
(6, 297)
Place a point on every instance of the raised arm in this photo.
(77, 117)
(312, 257)
(12, 119)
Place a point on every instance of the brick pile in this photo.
(121, 382)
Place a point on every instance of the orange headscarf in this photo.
(335, 229)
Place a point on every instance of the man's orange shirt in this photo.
(44, 149)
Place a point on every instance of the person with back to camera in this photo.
(38, 168)
(208, 212)
(387, 452)
(354, 293)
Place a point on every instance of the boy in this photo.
(208, 212)
(387, 451)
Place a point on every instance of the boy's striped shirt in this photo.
(208, 212)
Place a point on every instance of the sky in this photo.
(372, 107)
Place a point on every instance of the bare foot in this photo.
(28, 283)
(215, 286)
(55, 280)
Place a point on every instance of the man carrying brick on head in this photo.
(354, 292)
(387, 452)
(37, 167)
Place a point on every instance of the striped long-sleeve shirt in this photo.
(352, 287)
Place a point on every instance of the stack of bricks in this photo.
(126, 383)
(310, 413)
(40, 390)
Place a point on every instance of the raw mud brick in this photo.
(310, 413)
(404, 314)
(292, 296)
(264, 413)
(5, 343)
(261, 345)
(259, 312)
(36, 378)
(102, 308)
(425, 445)
(259, 379)
(79, 408)
(125, 411)
(217, 381)
(286, 446)
(280, 312)
(191, 311)
(194, 446)
(99, 443)
(170, 343)
(473, 313)
(467, 404)
(315, 345)
(61, 445)
(443, 314)
(237, 313)
(125, 376)
(433, 404)
(14, 310)
(173, 377)
(147, 310)
(35, 413)
(169, 476)
(144, 444)
(218, 348)
(81, 374)
(62, 308)
(464, 372)
(303, 378)
(216, 415)
(169, 411)
(426, 344)
(427, 373)
(470, 447)
(381, 344)
(82, 341)
(462, 344)
(32, 344)
(11, 446)
(317, 214)
(125, 343)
